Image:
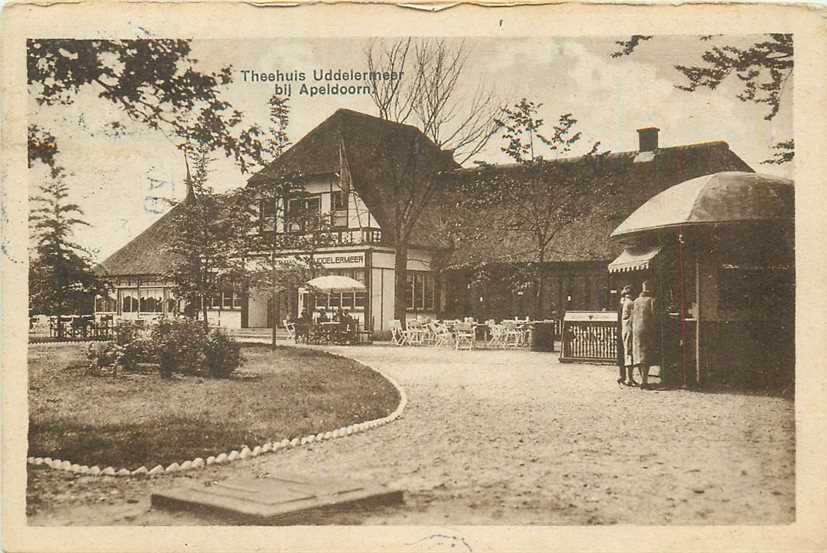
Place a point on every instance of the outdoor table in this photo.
(303, 331)
(335, 332)
(327, 330)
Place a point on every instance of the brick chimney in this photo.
(648, 139)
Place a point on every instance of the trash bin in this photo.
(542, 336)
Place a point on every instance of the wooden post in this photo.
(367, 311)
(273, 300)
(698, 320)
(682, 308)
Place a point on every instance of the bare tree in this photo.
(392, 97)
(428, 93)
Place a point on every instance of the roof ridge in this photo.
(610, 154)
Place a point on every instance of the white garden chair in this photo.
(512, 335)
(290, 328)
(441, 334)
(496, 334)
(398, 335)
(416, 333)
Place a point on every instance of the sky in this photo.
(115, 178)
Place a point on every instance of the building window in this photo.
(303, 213)
(267, 214)
(152, 300)
(338, 209)
(420, 292)
(226, 300)
(129, 300)
(346, 300)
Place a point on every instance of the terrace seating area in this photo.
(343, 332)
(466, 334)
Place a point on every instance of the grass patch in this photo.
(141, 419)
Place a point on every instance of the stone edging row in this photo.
(234, 455)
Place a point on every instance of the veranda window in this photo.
(129, 300)
(152, 300)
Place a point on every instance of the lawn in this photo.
(141, 419)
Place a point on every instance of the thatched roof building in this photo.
(636, 175)
(382, 160)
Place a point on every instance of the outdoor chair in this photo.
(416, 333)
(398, 335)
(441, 334)
(464, 334)
(290, 328)
(497, 332)
(513, 336)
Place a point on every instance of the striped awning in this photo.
(634, 259)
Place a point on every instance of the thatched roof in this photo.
(147, 253)
(374, 152)
(638, 177)
(377, 154)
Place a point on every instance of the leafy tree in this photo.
(278, 259)
(763, 68)
(521, 127)
(61, 275)
(206, 240)
(42, 147)
(155, 82)
(277, 140)
(529, 204)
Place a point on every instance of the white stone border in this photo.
(234, 455)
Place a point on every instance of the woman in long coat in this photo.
(624, 320)
(644, 332)
(627, 305)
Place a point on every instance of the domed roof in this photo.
(726, 197)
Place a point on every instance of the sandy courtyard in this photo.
(493, 437)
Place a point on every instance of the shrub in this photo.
(104, 356)
(140, 350)
(181, 346)
(127, 331)
(223, 354)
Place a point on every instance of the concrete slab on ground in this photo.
(286, 499)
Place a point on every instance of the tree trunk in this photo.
(204, 313)
(273, 299)
(400, 266)
(538, 308)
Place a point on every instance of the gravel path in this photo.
(493, 437)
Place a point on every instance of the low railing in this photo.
(73, 329)
(82, 328)
(589, 336)
(341, 237)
